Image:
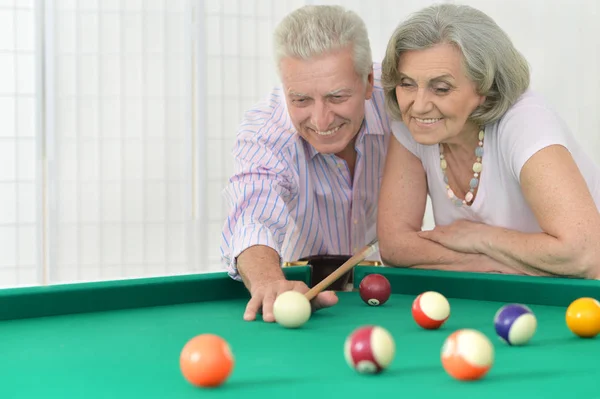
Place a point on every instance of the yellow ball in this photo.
(583, 317)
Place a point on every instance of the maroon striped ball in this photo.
(369, 349)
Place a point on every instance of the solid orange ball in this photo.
(583, 317)
(206, 360)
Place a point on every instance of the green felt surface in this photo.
(133, 351)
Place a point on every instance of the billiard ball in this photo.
(583, 317)
(369, 349)
(467, 355)
(430, 310)
(291, 309)
(375, 289)
(206, 360)
(515, 324)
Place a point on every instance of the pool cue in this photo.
(366, 251)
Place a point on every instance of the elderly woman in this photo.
(511, 189)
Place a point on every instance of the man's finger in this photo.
(252, 308)
(267, 306)
(324, 299)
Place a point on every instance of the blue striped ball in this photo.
(515, 324)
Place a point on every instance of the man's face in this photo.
(326, 99)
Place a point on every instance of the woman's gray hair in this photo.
(314, 30)
(499, 71)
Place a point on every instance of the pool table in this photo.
(122, 339)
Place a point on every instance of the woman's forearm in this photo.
(540, 253)
(410, 250)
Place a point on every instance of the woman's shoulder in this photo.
(531, 117)
(530, 125)
(530, 106)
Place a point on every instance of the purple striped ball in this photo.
(515, 324)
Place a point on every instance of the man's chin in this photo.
(325, 144)
(328, 149)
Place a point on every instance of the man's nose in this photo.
(322, 117)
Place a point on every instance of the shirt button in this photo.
(355, 221)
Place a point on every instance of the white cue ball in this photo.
(291, 309)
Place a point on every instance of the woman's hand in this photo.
(461, 236)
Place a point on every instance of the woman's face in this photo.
(435, 96)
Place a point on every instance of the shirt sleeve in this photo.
(402, 134)
(258, 193)
(528, 128)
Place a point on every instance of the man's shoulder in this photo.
(267, 124)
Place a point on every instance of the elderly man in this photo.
(309, 158)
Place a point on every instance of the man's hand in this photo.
(265, 280)
(264, 295)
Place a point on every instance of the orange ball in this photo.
(583, 317)
(467, 355)
(206, 360)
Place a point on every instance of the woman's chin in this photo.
(426, 139)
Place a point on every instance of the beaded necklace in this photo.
(477, 168)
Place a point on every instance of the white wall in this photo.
(117, 119)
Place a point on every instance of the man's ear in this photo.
(370, 84)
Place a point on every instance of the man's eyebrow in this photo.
(337, 92)
(295, 93)
(343, 90)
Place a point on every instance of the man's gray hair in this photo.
(318, 29)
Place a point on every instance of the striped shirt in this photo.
(286, 195)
